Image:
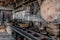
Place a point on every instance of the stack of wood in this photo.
(2, 28)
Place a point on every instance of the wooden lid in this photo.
(48, 11)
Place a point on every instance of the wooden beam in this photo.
(29, 2)
(15, 1)
(2, 0)
(25, 3)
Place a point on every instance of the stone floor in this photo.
(5, 36)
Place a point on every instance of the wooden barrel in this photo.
(53, 29)
(49, 10)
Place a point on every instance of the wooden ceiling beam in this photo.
(25, 3)
(2, 0)
(30, 1)
(15, 1)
